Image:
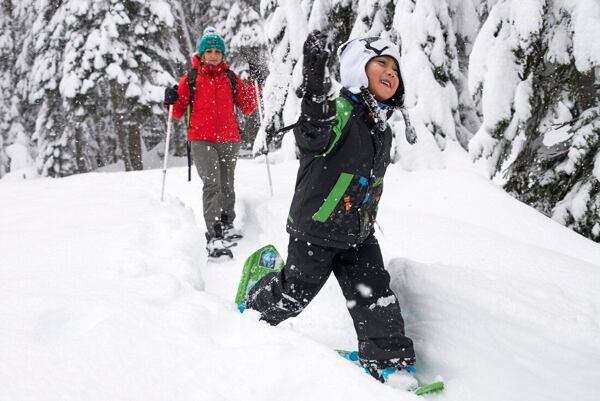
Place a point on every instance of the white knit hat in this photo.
(354, 56)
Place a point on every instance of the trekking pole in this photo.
(379, 227)
(169, 120)
(260, 119)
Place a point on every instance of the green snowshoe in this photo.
(262, 262)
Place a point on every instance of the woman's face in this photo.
(382, 73)
(212, 56)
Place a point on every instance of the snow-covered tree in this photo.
(83, 99)
(99, 72)
(429, 33)
(247, 46)
(54, 140)
(138, 50)
(3, 158)
(428, 36)
(285, 30)
(7, 57)
(466, 20)
(15, 63)
(247, 41)
(185, 12)
(214, 15)
(533, 66)
(373, 18)
(336, 18)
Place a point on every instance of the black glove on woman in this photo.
(171, 95)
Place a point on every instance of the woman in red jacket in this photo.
(214, 133)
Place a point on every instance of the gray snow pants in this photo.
(215, 163)
(365, 284)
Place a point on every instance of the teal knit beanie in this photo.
(210, 40)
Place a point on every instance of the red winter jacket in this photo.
(213, 117)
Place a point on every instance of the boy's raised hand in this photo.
(314, 64)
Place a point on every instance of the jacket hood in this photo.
(354, 56)
(196, 60)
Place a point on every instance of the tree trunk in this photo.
(80, 156)
(134, 144)
(122, 140)
(127, 129)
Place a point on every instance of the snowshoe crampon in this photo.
(262, 262)
(219, 253)
(231, 233)
(219, 247)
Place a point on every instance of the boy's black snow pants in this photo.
(364, 282)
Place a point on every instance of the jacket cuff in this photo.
(322, 111)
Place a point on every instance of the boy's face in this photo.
(382, 74)
(212, 56)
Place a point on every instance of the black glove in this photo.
(315, 60)
(171, 95)
(256, 73)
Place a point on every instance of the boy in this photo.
(339, 183)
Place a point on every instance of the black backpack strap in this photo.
(192, 74)
(233, 80)
(289, 127)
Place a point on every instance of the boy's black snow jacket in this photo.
(340, 178)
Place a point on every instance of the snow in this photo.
(79, 7)
(133, 89)
(162, 11)
(106, 294)
(465, 19)
(559, 45)
(498, 94)
(21, 164)
(246, 25)
(523, 94)
(285, 30)
(579, 203)
(115, 72)
(527, 18)
(69, 85)
(586, 32)
(556, 125)
(318, 17)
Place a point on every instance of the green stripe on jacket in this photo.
(343, 112)
(333, 198)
